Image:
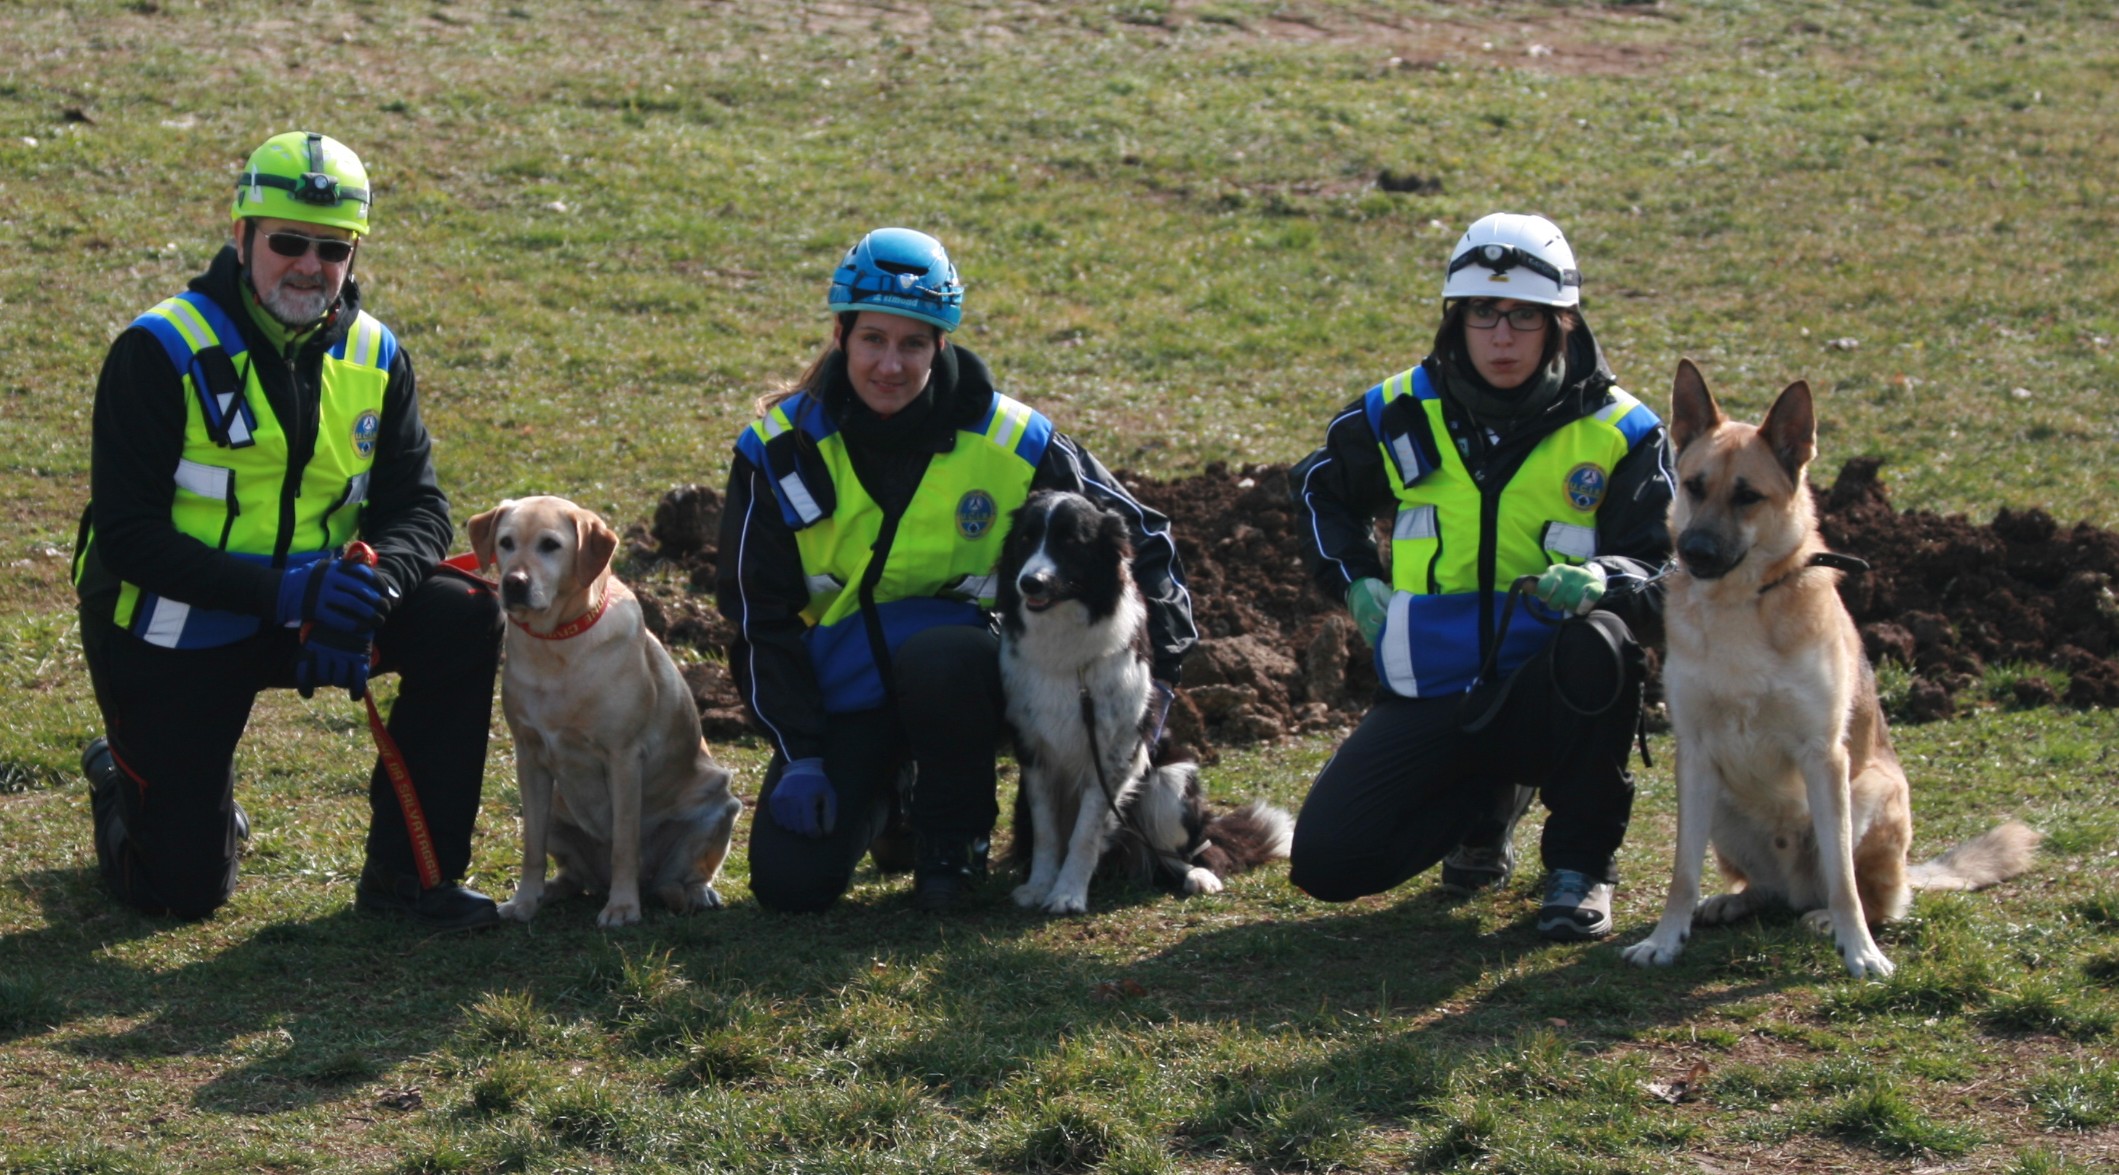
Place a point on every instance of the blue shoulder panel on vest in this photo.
(1423, 387)
(224, 327)
(1372, 407)
(1637, 423)
(385, 347)
(1037, 434)
(173, 342)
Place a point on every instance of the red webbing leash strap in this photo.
(423, 854)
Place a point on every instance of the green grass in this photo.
(602, 230)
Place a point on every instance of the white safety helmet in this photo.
(1512, 255)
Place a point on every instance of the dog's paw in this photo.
(1030, 896)
(1818, 922)
(1865, 961)
(708, 898)
(1724, 908)
(619, 914)
(1654, 951)
(519, 909)
(1198, 880)
(1067, 903)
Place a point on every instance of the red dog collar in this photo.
(575, 627)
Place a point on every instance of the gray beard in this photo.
(295, 308)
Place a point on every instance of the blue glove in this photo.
(1159, 700)
(330, 657)
(337, 593)
(1369, 599)
(803, 801)
(1570, 589)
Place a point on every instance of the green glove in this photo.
(1369, 599)
(1570, 589)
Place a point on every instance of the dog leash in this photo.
(424, 858)
(1172, 866)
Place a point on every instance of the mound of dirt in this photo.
(1944, 597)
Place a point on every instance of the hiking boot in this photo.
(1484, 863)
(946, 871)
(894, 850)
(445, 907)
(1576, 908)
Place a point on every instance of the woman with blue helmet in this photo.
(864, 515)
(1508, 456)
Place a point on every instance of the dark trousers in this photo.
(948, 718)
(1410, 783)
(174, 717)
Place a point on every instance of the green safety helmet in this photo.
(301, 175)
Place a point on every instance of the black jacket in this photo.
(1344, 489)
(139, 437)
(762, 589)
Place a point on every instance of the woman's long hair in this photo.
(842, 323)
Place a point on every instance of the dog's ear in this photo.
(1791, 428)
(1112, 529)
(594, 543)
(1693, 412)
(482, 527)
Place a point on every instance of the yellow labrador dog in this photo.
(617, 784)
(1783, 759)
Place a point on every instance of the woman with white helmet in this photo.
(1509, 456)
(864, 514)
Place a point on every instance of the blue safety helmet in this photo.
(899, 271)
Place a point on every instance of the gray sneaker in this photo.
(1576, 909)
(1475, 866)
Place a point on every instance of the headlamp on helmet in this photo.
(1510, 255)
(307, 177)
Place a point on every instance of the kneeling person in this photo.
(246, 433)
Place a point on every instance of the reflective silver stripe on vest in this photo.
(238, 428)
(207, 481)
(820, 583)
(168, 622)
(1397, 649)
(1408, 459)
(1575, 542)
(356, 490)
(1419, 522)
(798, 497)
(973, 587)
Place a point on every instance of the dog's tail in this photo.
(1250, 836)
(1197, 846)
(1993, 856)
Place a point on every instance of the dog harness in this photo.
(1449, 529)
(233, 491)
(875, 580)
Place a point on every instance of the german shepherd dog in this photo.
(1074, 665)
(1783, 759)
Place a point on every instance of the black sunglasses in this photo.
(330, 250)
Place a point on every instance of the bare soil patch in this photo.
(1945, 597)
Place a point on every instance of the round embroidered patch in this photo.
(1585, 487)
(975, 512)
(365, 430)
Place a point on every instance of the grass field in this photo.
(602, 229)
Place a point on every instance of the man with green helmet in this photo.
(264, 514)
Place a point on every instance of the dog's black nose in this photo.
(515, 589)
(1703, 554)
(1035, 584)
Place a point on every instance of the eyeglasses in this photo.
(329, 250)
(1486, 316)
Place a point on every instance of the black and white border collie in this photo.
(1074, 627)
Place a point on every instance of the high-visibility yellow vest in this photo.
(936, 560)
(1449, 528)
(232, 477)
